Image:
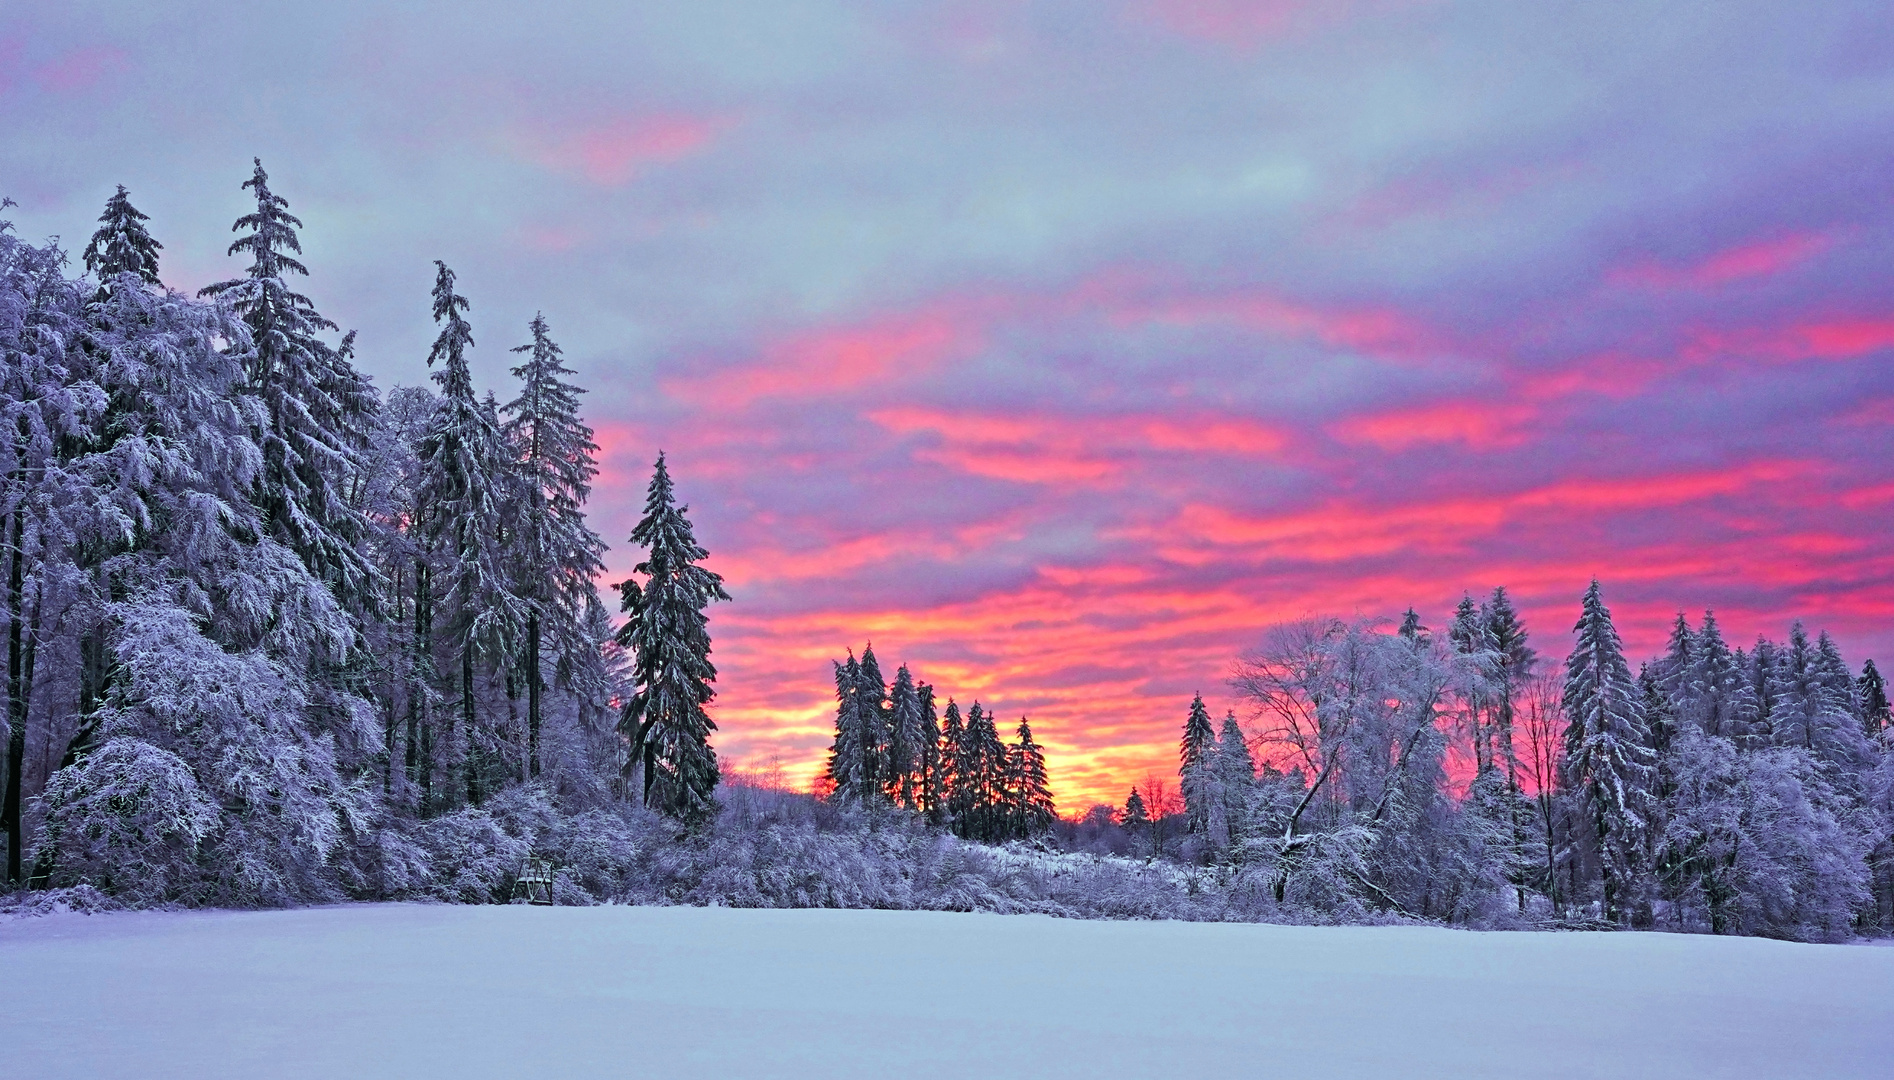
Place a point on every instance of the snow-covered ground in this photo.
(418, 991)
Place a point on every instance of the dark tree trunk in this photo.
(532, 694)
(467, 721)
(16, 697)
(420, 759)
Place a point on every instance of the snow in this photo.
(409, 990)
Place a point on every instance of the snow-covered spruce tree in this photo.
(954, 797)
(1608, 765)
(318, 409)
(465, 483)
(1714, 687)
(122, 245)
(1512, 670)
(1032, 797)
(558, 556)
(933, 773)
(980, 779)
(907, 737)
(1197, 768)
(1134, 816)
(668, 635)
(853, 754)
(1871, 691)
(1673, 671)
(1236, 775)
(872, 692)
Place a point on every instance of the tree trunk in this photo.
(16, 697)
(532, 694)
(467, 720)
(420, 759)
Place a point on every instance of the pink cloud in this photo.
(1248, 23)
(1761, 258)
(1480, 425)
(1844, 338)
(619, 151)
(79, 70)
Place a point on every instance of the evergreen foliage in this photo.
(122, 245)
(668, 636)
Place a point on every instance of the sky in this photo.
(1061, 347)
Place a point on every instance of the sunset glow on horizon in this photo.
(1059, 348)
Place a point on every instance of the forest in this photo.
(277, 638)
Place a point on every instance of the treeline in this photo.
(266, 625)
(892, 749)
(1717, 789)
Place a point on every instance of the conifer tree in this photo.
(1031, 795)
(464, 489)
(875, 726)
(852, 754)
(1196, 766)
(933, 776)
(1411, 627)
(669, 637)
(906, 741)
(1134, 813)
(1608, 760)
(558, 555)
(1507, 636)
(954, 791)
(1871, 690)
(1236, 774)
(1715, 685)
(121, 245)
(318, 407)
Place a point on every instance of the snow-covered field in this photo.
(419, 991)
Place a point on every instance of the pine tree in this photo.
(875, 724)
(1676, 668)
(852, 754)
(954, 790)
(1715, 689)
(933, 777)
(1236, 775)
(464, 488)
(318, 407)
(559, 556)
(1032, 797)
(1196, 767)
(1507, 635)
(1608, 760)
(668, 634)
(1134, 813)
(1871, 690)
(1411, 627)
(121, 245)
(906, 741)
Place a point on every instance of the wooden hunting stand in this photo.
(534, 884)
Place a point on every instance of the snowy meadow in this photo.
(434, 990)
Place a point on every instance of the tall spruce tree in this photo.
(558, 555)
(1715, 685)
(953, 789)
(465, 478)
(1515, 660)
(1032, 797)
(906, 741)
(1871, 689)
(121, 245)
(1196, 766)
(933, 775)
(669, 637)
(852, 755)
(318, 408)
(1608, 762)
(1236, 775)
